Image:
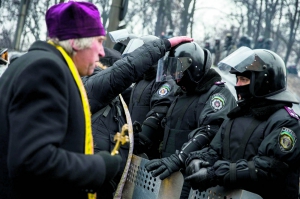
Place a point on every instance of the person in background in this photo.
(148, 104)
(201, 105)
(46, 143)
(256, 148)
(216, 51)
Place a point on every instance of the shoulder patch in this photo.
(217, 101)
(291, 112)
(287, 139)
(164, 90)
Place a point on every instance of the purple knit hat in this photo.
(74, 20)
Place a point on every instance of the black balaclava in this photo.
(186, 84)
(244, 91)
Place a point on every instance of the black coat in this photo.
(190, 113)
(272, 146)
(42, 130)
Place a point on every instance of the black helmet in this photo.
(138, 42)
(268, 43)
(121, 39)
(190, 59)
(207, 45)
(268, 72)
(245, 40)
(111, 56)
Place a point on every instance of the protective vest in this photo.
(176, 132)
(139, 104)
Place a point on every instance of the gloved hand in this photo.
(107, 190)
(180, 39)
(136, 130)
(164, 167)
(112, 164)
(195, 165)
(202, 179)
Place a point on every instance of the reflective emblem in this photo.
(287, 139)
(217, 102)
(164, 90)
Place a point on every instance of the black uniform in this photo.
(271, 147)
(255, 149)
(196, 112)
(151, 99)
(200, 106)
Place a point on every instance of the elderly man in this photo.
(46, 140)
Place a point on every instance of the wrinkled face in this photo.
(85, 60)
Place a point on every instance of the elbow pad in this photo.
(196, 143)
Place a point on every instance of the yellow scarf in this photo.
(89, 148)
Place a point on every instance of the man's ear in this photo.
(74, 47)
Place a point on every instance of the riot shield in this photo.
(136, 182)
(221, 192)
(141, 185)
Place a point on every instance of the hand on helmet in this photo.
(180, 39)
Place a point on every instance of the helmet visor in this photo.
(118, 35)
(241, 60)
(172, 66)
(132, 45)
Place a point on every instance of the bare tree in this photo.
(104, 9)
(7, 23)
(294, 18)
(186, 16)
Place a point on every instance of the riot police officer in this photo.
(216, 51)
(201, 104)
(260, 42)
(268, 43)
(149, 103)
(245, 40)
(207, 46)
(256, 148)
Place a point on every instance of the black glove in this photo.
(195, 166)
(164, 167)
(202, 179)
(112, 164)
(136, 130)
(107, 190)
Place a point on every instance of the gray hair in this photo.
(81, 43)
